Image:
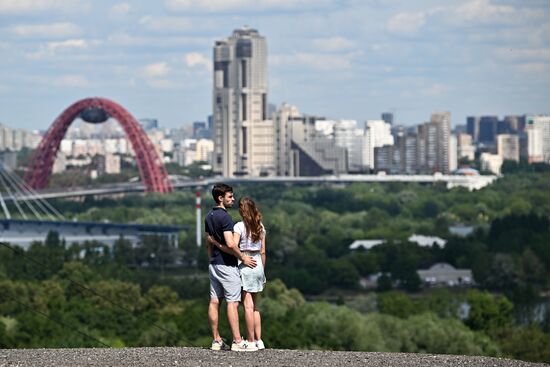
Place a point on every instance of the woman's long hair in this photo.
(252, 218)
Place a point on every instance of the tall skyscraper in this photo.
(243, 132)
(472, 127)
(488, 129)
(433, 144)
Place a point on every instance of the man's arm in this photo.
(212, 242)
(234, 247)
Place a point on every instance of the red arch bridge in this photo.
(98, 110)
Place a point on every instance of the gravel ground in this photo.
(205, 357)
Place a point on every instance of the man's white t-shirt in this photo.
(245, 243)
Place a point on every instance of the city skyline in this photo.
(339, 59)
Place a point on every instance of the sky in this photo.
(342, 59)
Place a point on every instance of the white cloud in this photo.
(244, 5)
(78, 81)
(406, 23)
(484, 11)
(156, 70)
(52, 30)
(119, 10)
(38, 6)
(52, 48)
(333, 43)
(193, 59)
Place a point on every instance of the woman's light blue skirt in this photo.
(253, 279)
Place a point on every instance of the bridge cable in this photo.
(83, 287)
(4, 207)
(41, 202)
(14, 200)
(22, 193)
(24, 199)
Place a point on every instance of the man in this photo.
(225, 279)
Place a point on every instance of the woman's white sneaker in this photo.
(243, 346)
(260, 344)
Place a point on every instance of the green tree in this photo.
(488, 312)
(398, 304)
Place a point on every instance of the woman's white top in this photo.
(245, 243)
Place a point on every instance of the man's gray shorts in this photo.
(225, 282)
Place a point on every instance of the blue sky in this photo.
(347, 59)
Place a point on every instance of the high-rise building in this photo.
(453, 153)
(305, 145)
(411, 153)
(283, 122)
(472, 127)
(377, 134)
(509, 125)
(243, 132)
(488, 129)
(433, 144)
(204, 149)
(465, 148)
(387, 117)
(537, 130)
(383, 161)
(149, 124)
(200, 130)
(347, 135)
(508, 147)
(6, 138)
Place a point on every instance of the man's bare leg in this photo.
(213, 317)
(248, 301)
(233, 318)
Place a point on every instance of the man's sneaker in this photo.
(243, 346)
(218, 345)
(260, 344)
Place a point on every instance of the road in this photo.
(470, 182)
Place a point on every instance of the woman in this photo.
(250, 235)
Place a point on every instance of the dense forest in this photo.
(56, 294)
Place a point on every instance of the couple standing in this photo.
(236, 270)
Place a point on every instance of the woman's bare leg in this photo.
(257, 320)
(248, 302)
